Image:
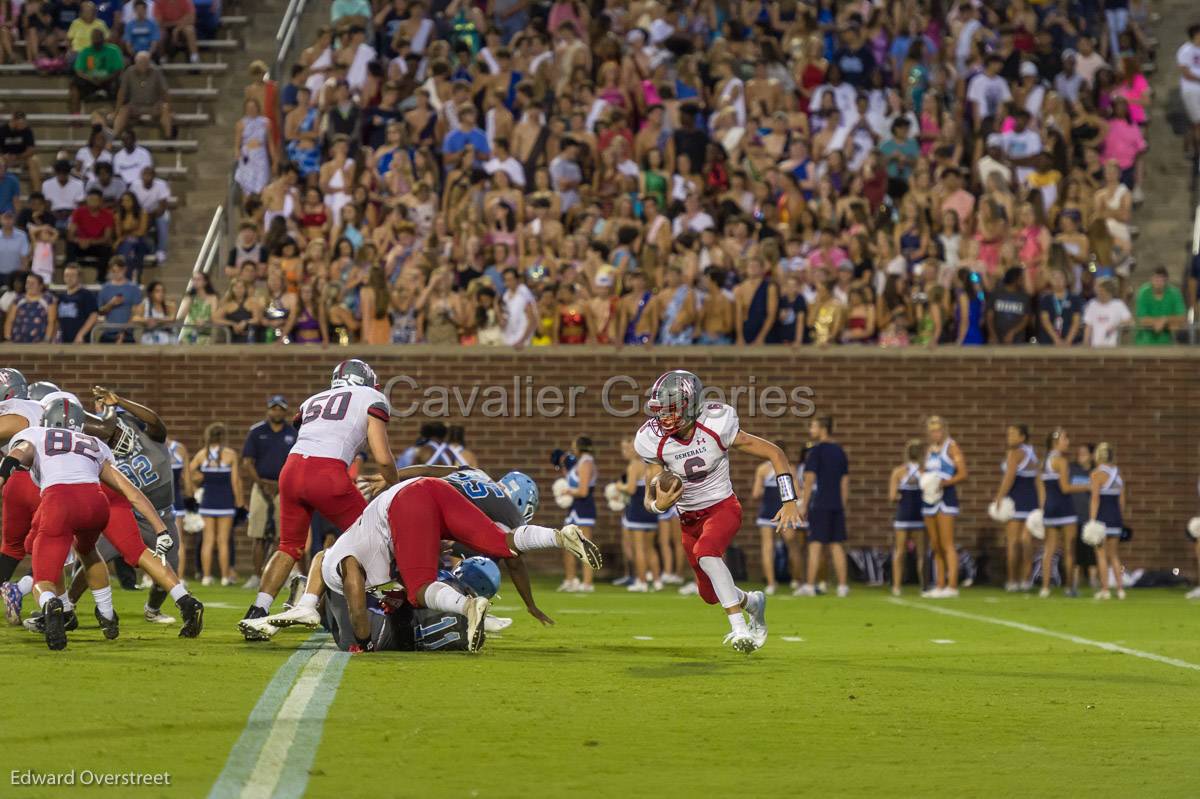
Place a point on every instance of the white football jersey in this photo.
(701, 462)
(32, 411)
(333, 424)
(63, 456)
(369, 540)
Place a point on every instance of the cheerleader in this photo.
(1058, 510)
(581, 480)
(182, 478)
(1108, 508)
(639, 526)
(216, 469)
(1081, 480)
(904, 491)
(945, 459)
(456, 439)
(1018, 482)
(1195, 592)
(766, 491)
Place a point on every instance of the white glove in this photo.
(162, 545)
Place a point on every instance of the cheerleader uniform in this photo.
(940, 463)
(637, 517)
(1109, 511)
(217, 481)
(177, 467)
(909, 514)
(1023, 492)
(583, 509)
(1059, 508)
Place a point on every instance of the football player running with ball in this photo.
(690, 440)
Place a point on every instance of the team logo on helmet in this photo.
(13, 385)
(353, 373)
(675, 400)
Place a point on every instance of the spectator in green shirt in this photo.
(97, 69)
(1159, 310)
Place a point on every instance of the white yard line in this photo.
(1107, 646)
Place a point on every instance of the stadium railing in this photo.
(210, 251)
(177, 331)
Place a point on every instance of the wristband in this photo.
(8, 465)
(654, 507)
(787, 489)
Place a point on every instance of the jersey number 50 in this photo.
(331, 408)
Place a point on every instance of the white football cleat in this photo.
(157, 616)
(805, 590)
(688, 589)
(297, 615)
(477, 608)
(572, 539)
(1193, 594)
(756, 609)
(741, 642)
(494, 624)
(258, 629)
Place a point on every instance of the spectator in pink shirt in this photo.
(1123, 143)
(827, 255)
(1135, 89)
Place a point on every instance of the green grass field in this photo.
(633, 695)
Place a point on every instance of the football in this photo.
(666, 483)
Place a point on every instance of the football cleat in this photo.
(568, 586)
(1193, 594)
(494, 624)
(741, 642)
(156, 616)
(192, 611)
(477, 608)
(110, 627)
(689, 589)
(12, 603)
(296, 585)
(756, 609)
(252, 632)
(572, 539)
(804, 590)
(54, 624)
(637, 587)
(297, 615)
(36, 622)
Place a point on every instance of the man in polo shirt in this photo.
(17, 148)
(77, 312)
(97, 70)
(825, 493)
(14, 248)
(267, 446)
(63, 192)
(143, 93)
(91, 231)
(1159, 309)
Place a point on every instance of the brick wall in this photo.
(1145, 403)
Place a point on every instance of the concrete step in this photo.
(44, 121)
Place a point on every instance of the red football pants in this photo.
(708, 533)
(420, 516)
(122, 529)
(21, 498)
(309, 484)
(70, 513)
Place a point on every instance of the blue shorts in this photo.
(826, 526)
(574, 517)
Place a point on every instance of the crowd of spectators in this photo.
(900, 172)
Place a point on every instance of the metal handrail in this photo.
(222, 333)
(1196, 232)
(288, 15)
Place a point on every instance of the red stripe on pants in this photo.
(21, 498)
(708, 533)
(420, 516)
(308, 484)
(70, 513)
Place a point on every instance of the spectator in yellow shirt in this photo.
(80, 32)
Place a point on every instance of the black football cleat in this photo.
(110, 627)
(192, 611)
(54, 624)
(255, 612)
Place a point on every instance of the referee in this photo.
(267, 446)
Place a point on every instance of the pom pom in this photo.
(931, 488)
(616, 498)
(1094, 533)
(562, 493)
(1193, 527)
(1036, 524)
(193, 523)
(1003, 510)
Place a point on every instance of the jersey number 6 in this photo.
(693, 469)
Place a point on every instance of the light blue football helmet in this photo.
(480, 575)
(523, 492)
